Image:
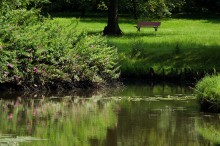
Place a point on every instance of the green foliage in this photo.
(9, 5)
(175, 5)
(36, 51)
(153, 8)
(156, 9)
(94, 60)
(208, 89)
(102, 6)
(36, 46)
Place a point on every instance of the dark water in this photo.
(139, 114)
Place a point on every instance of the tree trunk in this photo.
(112, 27)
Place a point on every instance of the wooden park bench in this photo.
(155, 25)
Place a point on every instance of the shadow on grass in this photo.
(211, 18)
(142, 34)
(168, 55)
(215, 21)
(131, 35)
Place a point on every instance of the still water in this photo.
(138, 114)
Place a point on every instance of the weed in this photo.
(137, 49)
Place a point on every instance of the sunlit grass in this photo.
(178, 43)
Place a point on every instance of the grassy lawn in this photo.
(178, 44)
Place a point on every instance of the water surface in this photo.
(139, 114)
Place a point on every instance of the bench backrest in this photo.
(156, 24)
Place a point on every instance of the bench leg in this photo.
(155, 28)
(138, 28)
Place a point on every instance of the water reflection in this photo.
(208, 127)
(158, 123)
(67, 122)
(139, 88)
(108, 118)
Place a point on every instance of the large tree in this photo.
(112, 27)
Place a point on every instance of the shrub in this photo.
(208, 92)
(36, 51)
(93, 60)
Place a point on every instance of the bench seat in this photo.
(155, 25)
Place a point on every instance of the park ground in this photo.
(183, 47)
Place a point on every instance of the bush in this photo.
(37, 52)
(93, 60)
(208, 93)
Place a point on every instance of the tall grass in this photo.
(208, 93)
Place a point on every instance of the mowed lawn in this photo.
(178, 44)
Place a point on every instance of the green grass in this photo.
(208, 93)
(179, 43)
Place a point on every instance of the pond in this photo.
(139, 114)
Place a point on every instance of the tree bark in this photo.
(112, 27)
